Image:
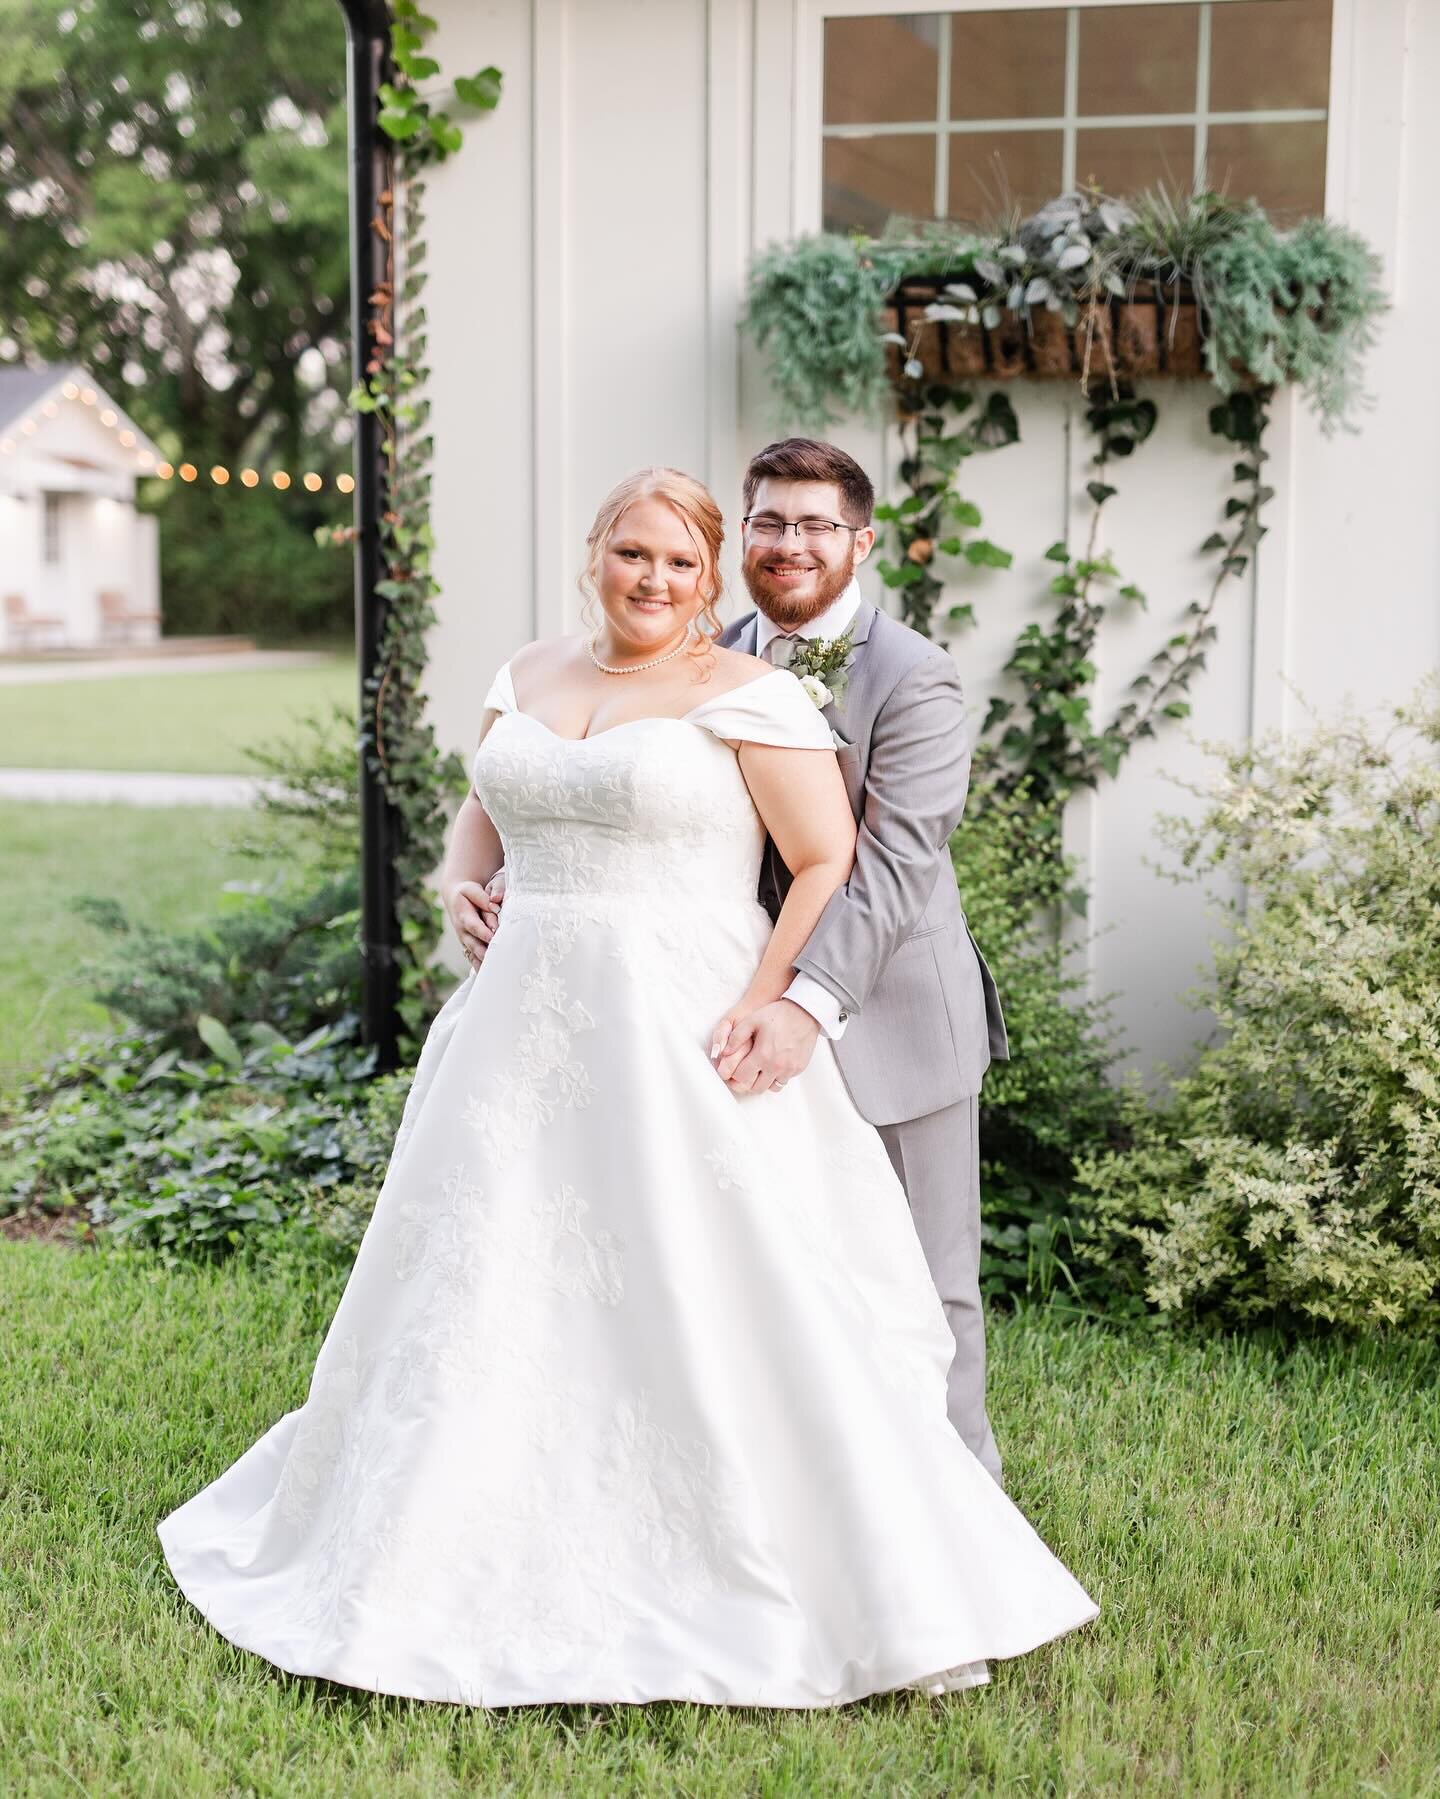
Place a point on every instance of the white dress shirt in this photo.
(805, 990)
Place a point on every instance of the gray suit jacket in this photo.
(892, 944)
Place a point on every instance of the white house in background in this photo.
(588, 250)
(79, 566)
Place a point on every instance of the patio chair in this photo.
(118, 619)
(22, 626)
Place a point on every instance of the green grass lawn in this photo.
(1258, 1525)
(168, 866)
(182, 723)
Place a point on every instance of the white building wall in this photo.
(588, 254)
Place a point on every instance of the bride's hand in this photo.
(725, 1044)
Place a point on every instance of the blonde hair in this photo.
(703, 521)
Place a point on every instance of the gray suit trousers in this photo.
(937, 1159)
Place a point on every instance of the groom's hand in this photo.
(474, 912)
(767, 1047)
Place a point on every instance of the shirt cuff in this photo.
(820, 1003)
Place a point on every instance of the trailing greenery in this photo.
(1275, 306)
(934, 517)
(1294, 1172)
(1051, 1102)
(396, 739)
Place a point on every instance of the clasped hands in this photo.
(754, 1051)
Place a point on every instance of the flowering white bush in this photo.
(1295, 1170)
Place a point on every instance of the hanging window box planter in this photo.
(1154, 330)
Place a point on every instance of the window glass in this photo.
(1007, 65)
(1124, 161)
(869, 179)
(962, 115)
(989, 169)
(1138, 59)
(1264, 54)
(881, 71)
(1281, 166)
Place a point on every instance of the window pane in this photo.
(869, 178)
(1281, 166)
(1124, 159)
(1007, 65)
(1139, 58)
(1272, 54)
(988, 169)
(882, 71)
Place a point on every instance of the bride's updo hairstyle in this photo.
(703, 521)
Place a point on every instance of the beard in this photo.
(786, 609)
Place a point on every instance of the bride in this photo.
(637, 1389)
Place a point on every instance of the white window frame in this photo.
(812, 131)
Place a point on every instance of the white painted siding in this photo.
(588, 251)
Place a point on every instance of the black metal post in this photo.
(368, 38)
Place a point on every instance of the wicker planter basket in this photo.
(1154, 332)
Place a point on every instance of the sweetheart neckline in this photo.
(650, 718)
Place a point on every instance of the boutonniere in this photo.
(823, 666)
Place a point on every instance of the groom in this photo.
(890, 973)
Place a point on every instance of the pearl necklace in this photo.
(635, 667)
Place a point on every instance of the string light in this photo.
(280, 479)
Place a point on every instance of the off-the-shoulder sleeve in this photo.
(502, 692)
(772, 708)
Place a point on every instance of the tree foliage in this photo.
(173, 178)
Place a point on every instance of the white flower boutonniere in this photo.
(823, 665)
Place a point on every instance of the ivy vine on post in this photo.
(397, 742)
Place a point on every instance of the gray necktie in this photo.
(781, 648)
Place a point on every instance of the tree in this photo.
(173, 180)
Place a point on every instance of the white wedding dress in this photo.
(637, 1389)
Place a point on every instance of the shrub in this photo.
(288, 960)
(1293, 1173)
(193, 1155)
(251, 564)
(1051, 1100)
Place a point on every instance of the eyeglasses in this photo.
(764, 527)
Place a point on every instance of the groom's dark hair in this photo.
(807, 459)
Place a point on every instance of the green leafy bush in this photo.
(1051, 1101)
(273, 956)
(249, 563)
(1294, 1172)
(193, 1155)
